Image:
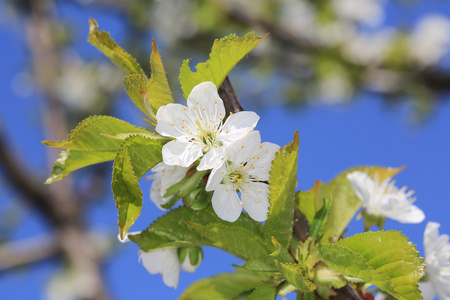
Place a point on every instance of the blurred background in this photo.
(365, 82)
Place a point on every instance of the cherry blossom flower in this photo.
(199, 129)
(165, 176)
(165, 262)
(437, 259)
(245, 170)
(383, 199)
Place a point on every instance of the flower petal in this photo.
(226, 203)
(238, 125)
(212, 158)
(204, 103)
(216, 177)
(171, 268)
(362, 184)
(256, 201)
(261, 160)
(180, 154)
(241, 150)
(173, 120)
(428, 290)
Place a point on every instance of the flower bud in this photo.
(190, 258)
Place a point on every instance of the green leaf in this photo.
(172, 229)
(320, 218)
(225, 54)
(294, 274)
(136, 156)
(306, 201)
(236, 240)
(102, 41)
(158, 89)
(345, 200)
(71, 160)
(384, 258)
(282, 182)
(225, 286)
(97, 133)
(149, 95)
(263, 293)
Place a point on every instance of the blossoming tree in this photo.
(209, 155)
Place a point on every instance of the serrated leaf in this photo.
(320, 218)
(263, 293)
(158, 90)
(71, 160)
(293, 274)
(172, 230)
(136, 156)
(102, 41)
(225, 54)
(384, 258)
(345, 200)
(282, 182)
(136, 88)
(236, 240)
(93, 134)
(225, 286)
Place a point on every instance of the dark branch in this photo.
(229, 97)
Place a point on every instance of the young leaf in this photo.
(319, 219)
(263, 293)
(236, 240)
(158, 90)
(384, 258)
(294, 275)
(282, 182)
(306, 201)
(225, 54)
(136, 88)
(172, 229)
(102, 41)
(97, 133)
(226, 286)
(71, 160)
(136, 156)
(345, 200)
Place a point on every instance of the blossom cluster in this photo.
(205, 138)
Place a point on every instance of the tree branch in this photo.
(229, 97)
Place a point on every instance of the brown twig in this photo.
(229, 97)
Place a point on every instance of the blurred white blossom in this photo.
(430, 40)
(164, 262)
(368, 12)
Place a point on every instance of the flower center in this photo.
(237, 176)
(207, 137)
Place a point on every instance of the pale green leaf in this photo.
(384, 258)
(136, 88)
(237, 240)
(306, 202)
(225, 54)
(93, 134)
(71, 160)
(226, 286)
(282, 182)
(345, 200)
(136, 156)
(102, 41)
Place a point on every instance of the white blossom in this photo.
(199, 129)
(245, 170)
(165, 176)
(384, 199)
(369, 12)
(437, 259)
(164, 262)
(430, 39)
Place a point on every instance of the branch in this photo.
(22, 253)
(229, 97)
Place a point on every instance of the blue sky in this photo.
(332, 139)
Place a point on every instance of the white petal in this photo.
(362, 184)
(226, 204)
(428, 290)
(155, 190)
(152, 261)
(241, 150)
(171, 268)
(255, 200)
(207, 103)
(261, 160)
(408, 214)
(126, 239)
(216, 177)
(212, 158)
(238, 125)
(170, 176)
(181, 154)
(170, 119)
